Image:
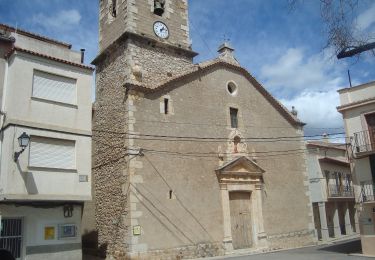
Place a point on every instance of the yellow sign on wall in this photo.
(49, 233)
(136, 230)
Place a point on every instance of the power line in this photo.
(137, 135)
(247, 126)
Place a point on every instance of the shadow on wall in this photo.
(90, 248)
(350, 247)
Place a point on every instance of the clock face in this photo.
(161, 30)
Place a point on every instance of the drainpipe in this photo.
(82, 55)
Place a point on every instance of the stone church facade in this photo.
(189, 160)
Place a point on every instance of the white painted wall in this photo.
(47, 48)
(316, 169)
(19, 180)
(46, 119)
(22, 108)
(34, 222)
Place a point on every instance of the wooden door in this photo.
(240, 219)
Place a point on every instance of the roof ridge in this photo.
(35, 35)
(206, 65)
(48, 57)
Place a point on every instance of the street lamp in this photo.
(23, 142)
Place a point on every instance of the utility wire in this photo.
(136, 135)
(247, 126)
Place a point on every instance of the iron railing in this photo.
(364, 141)
(340, 191)
(367, 191)
(11, 236)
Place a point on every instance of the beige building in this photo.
(189, 160)
(357, 106)
(45, 99)
(331, 189)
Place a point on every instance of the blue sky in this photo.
(284, 50)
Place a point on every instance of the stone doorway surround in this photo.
(242, 175)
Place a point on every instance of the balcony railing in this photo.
(340, 191)
(367, 191)
(364, 141)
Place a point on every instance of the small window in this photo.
(233, 117)
(166, 106)
(170, 194)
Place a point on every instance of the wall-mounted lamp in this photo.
(23, 141)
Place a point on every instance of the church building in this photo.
(189, 160)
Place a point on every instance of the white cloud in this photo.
(63, 20)
(293, 73)
(318, 110)
(367, 18)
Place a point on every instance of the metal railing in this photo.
(340, 191)
(367, 191)
(11, 236)
(364, 141)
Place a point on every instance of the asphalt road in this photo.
(338, 251)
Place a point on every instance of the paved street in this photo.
(338, 251)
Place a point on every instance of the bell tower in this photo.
(141, 42)
(156, 35)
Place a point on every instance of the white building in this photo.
(45, 93)
(332, 190)
(358, 110)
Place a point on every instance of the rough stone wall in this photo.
(110, 153)
(156, 63)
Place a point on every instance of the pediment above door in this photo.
(240, 168)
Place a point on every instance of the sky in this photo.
(282, 48)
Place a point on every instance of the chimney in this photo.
(82, 55)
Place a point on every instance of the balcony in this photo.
(367, 192)
(364, 142)
(335, 191)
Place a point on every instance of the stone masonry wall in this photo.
(110, 153)
(156, 63)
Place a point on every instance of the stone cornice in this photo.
(143, 39)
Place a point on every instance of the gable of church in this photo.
(207, 69)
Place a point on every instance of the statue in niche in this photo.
(238, 145)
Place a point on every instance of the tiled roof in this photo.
(323, 144)
(48, 57)
(34, 35)
(335, 161)
(195, 69)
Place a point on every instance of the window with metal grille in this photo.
(11, 236)
(233, 117)
(55, 88)
(52, 153)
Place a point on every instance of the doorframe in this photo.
(259, 236)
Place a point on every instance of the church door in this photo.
(240, 219)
